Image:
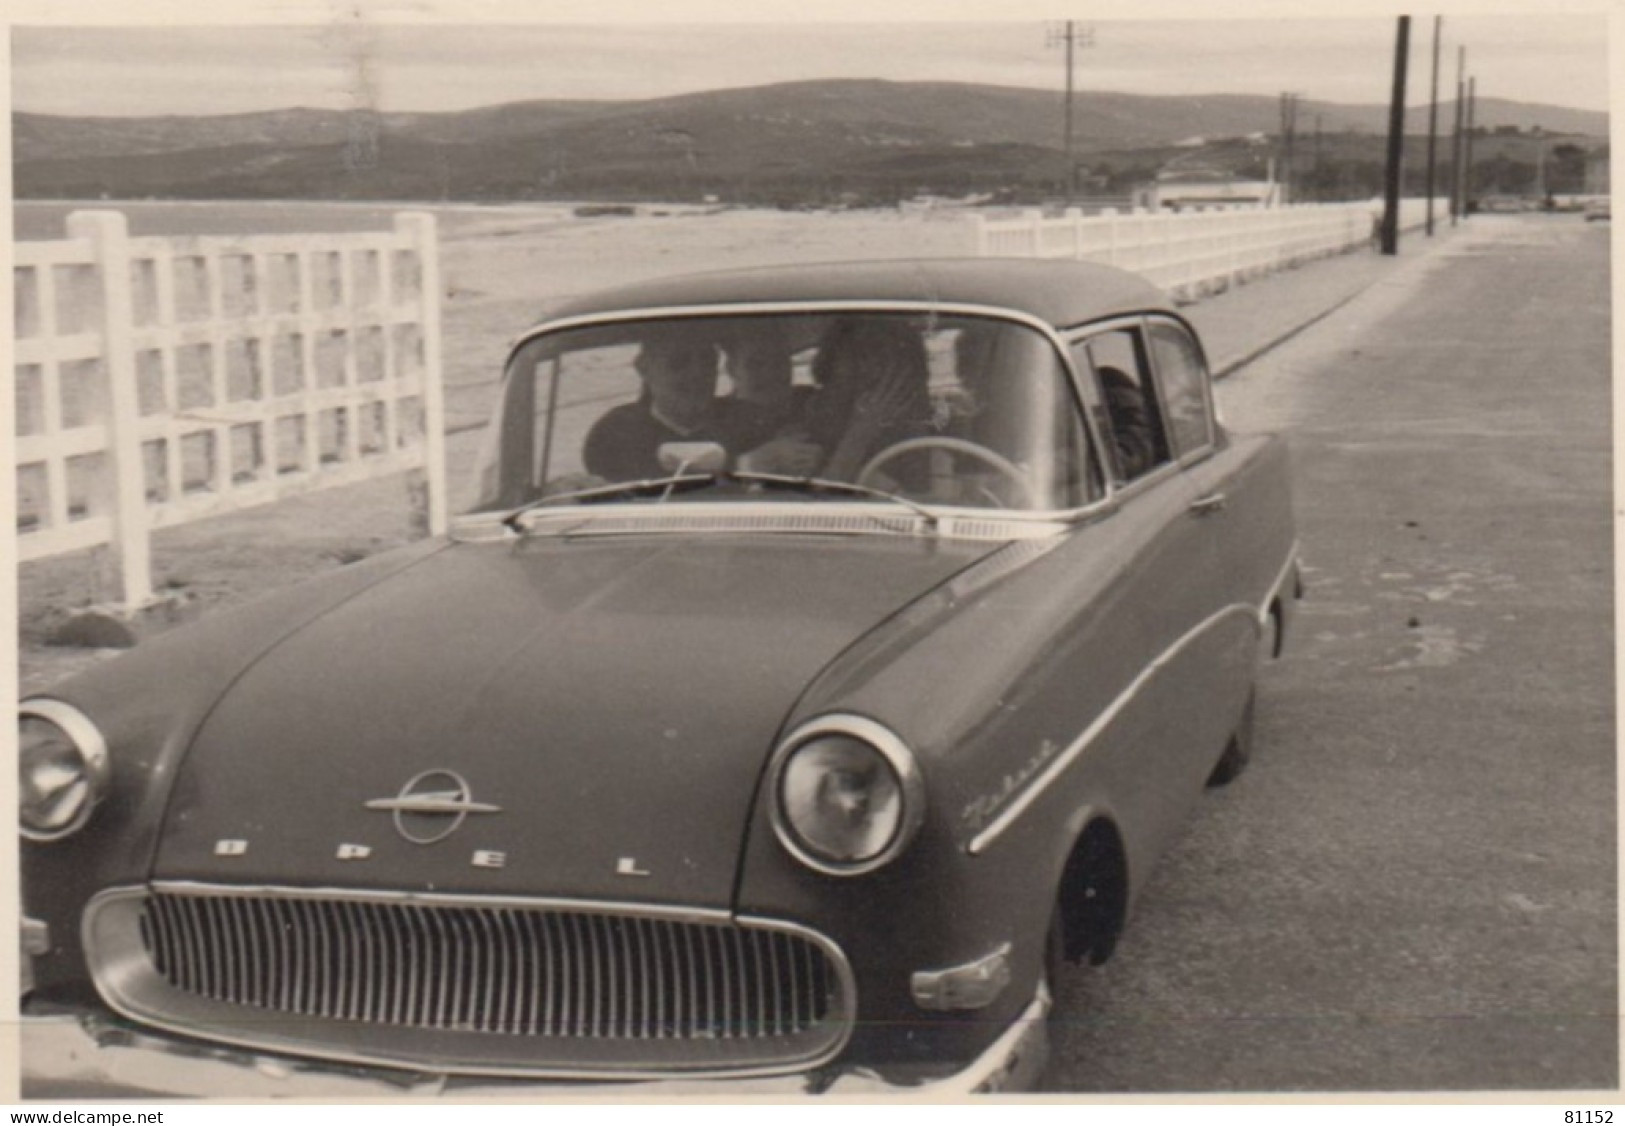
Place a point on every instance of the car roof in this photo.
(1059, 292)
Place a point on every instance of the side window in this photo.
(1123, 401)
(1183, 379)
(1001, 387)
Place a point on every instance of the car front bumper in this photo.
(70, 1056)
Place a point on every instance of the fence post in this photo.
(1233, 226)
(1035, 227)
(1167, 251)
(419, 227)
(1074, 217)
(126, 476)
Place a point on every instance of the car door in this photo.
(1228, 512)
(1173, 641)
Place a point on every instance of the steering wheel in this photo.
(997, 462)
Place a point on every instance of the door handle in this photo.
(1213, 502)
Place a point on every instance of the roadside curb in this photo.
(1251, 353)
(1233, 364)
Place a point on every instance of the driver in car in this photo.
(678, 366)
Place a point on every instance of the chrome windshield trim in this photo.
(1041, 781)
(770, 308)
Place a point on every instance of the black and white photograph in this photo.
(864, 553)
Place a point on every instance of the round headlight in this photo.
(62, 769)
(848, 795)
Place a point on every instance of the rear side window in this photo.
(1123, 400)
(1182, 376)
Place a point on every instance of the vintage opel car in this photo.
(827, 655)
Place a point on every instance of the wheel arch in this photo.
(1091, 903)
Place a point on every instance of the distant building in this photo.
(1187, 190)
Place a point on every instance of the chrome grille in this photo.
(498, 986)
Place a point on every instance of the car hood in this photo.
(603, 707)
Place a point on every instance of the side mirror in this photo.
(692, 457)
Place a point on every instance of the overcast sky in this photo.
(350, 61)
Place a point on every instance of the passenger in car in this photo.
(765, 407)
(1132, 432)
(678, 366)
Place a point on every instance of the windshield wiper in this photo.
(826, 485)
(683, 481)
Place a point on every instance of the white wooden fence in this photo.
(1193, 251)
(161, 380)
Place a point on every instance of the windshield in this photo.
(940, 410)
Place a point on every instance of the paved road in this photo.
(1413, 888)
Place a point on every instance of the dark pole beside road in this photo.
(1455, 140)
(1396, 140)
(1433, 120)
(1467, 150)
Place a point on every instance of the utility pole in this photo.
(1320, 193)
(1396, 140)
(1283, 174)
(1291, 148)
(1467, 147)
(1456, 140)
(1433, 120)
(1070, 36)
(1289, 129)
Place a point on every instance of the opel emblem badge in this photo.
(431, 806)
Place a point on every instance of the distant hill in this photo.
(793, 140)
